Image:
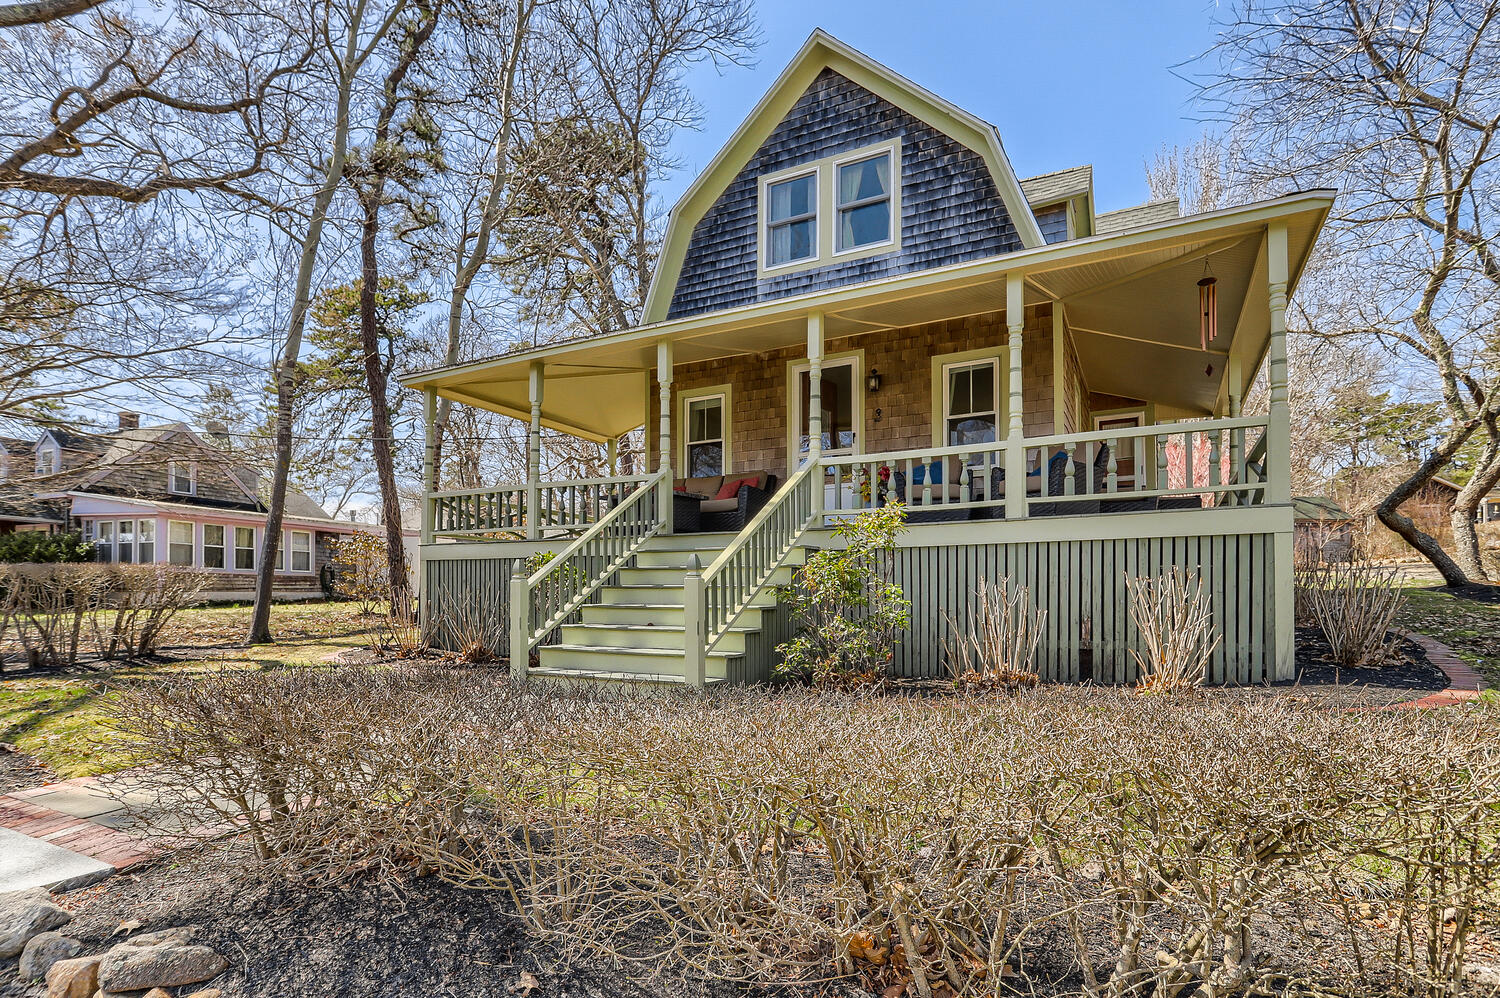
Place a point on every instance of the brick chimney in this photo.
(129, 420)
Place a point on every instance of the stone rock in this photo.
(43, 950)
(75, 978)
(130, 967)
(180, 934)
(205, 993)
(24, 914)
(157, 993)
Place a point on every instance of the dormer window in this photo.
(842, 207)
(48, 459)
(182, 478)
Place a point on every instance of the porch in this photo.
(1081, 371)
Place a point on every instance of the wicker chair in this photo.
(748, 501)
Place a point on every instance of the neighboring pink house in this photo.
(165, 494)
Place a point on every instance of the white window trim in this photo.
(854, 359)
(155, 540)
(726, 394)
(947, 412)
(1109, 416)
(48, 458)
(227, 547)
(826, 218)
(232, 543)
(192, 475)
(193, 559)
(892, 150)
(290, 534)
(1000, 354)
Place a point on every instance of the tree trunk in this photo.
(1390, 513)
(1466, 506)
(380, 410)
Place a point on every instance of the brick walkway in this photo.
(104, 820)
(1464, 683)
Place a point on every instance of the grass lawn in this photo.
(58, 718)
(1470, 628)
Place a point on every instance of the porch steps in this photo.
(635, 632)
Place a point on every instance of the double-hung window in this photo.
(705, 437)
(971, 409)
(792, 220)
(180, 543)
(126, 544)
(244, 548)
(300, 551)
(182, 478)
(145, 542)
(213, 546)
(864, 202)
(104, 545)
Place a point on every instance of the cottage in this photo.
(164, 494)
(859, 302)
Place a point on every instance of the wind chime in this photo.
(1208, 306)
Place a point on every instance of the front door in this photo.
(843, 409)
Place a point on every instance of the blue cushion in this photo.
(920, 472)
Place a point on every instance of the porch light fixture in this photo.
(1208, 307)
(872, 382)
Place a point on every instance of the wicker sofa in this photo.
(719, 512)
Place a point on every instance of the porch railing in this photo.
(541, 602)
(562, 506)
(715, 599)
(923, 478)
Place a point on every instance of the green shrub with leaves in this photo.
(848, 608)
(360, 572)
(37, 548)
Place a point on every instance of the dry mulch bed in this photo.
(1320, 681)
(19, 771)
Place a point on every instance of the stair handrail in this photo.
(716, 598)
(615, 538)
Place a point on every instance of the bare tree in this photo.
(350, 37)
(14, 15)
(1398, 106)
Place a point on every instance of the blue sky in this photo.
(1066, 82)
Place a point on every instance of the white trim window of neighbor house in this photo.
(104, 545)
(213, 546)
(180, 543)
(145, 541)
(48, 459)
(182, 477)
(125, 542)
(840, 207)
(244, 548)
(299, 549)
(705, 439)
(971, 402)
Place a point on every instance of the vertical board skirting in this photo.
(478, 589)
(1081, 586)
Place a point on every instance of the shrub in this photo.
(927, 846)
(61, 612)
(1355, 603)
(361, 572)
(37, 547)
(997, 647)
(1176, 626)
(848, 609)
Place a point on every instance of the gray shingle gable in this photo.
(950, 208)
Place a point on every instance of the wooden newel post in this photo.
(1279, 457)
(520, 622)
(429, 479)
(694, 634)
(664, 434)
(1015, 446)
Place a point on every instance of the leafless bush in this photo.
(470, 623)
(1355, 603)
(144, 599)
(939, 846)
(998, 645)
(1176, 626)
(398, 635)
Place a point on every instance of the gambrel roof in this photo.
(823, 52)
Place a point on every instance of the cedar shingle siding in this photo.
(950, 209)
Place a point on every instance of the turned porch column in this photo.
(1015, 450)
(534, 454)
(664, 432)
(429, 485)
(815, 401)
(1279, 457)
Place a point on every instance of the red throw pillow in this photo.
(731, 487)
(679, 488)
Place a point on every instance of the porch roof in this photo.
(1129, 297)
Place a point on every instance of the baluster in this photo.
(1070, 480)
(1088, 467)
(1190, 473)
(927, 477)
(1213, 457)
(1112, 473)
(1159, 450)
